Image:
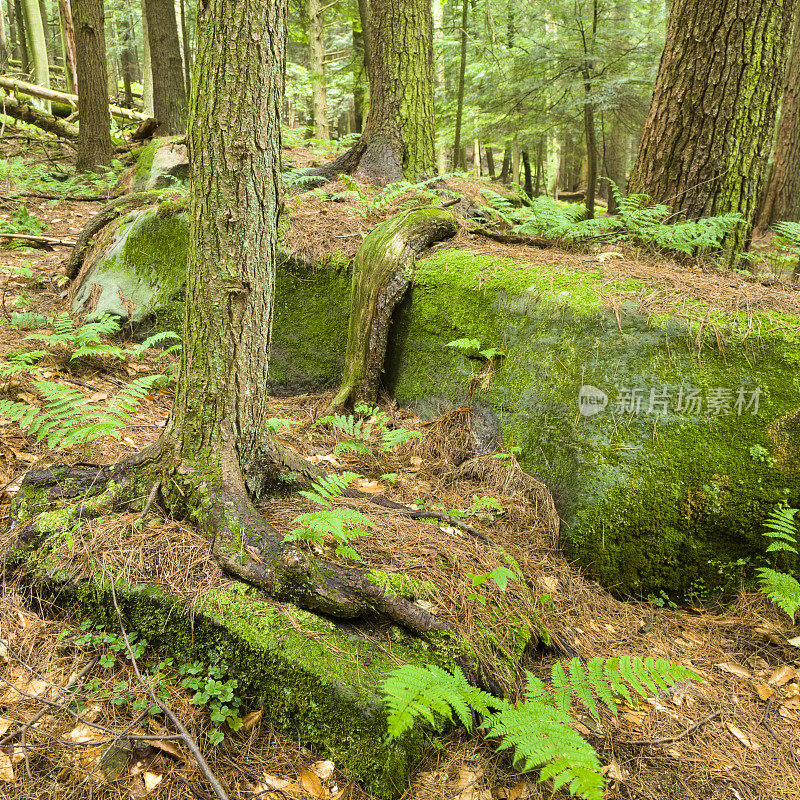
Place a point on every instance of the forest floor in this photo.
(735, 736)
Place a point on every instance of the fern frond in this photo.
(782, 589)
(781, 529)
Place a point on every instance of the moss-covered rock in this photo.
(655, 491)
(163, 163)
(667, 460)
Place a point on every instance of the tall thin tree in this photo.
(166, 64)
(94, 127)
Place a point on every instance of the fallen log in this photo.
(46, 241)
(15, 85)
(47, 122)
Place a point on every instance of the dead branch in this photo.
(47, 241)
(47, 122)
(510, 238)
(684, 734)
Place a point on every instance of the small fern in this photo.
(68, 417)
(85, 340)
(341, 524)
(539, 729)
(781, 530)
(782, 589)
(22, 362)
(330, 486)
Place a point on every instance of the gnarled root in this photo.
(243, 543)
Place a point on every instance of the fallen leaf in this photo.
(792, 690)
(794, 642)
(763, 692)
(549, 583)
(615, 772)
(676, 754)
(602, 257)
(517, 792)
(168, 748)
(371, 487)
(311, 783)
(323, 769)
(98, 396)
(465, 779)
(273, 782)
(6, 770)
(782, 675)
(735, 669)
(84, 733)
(737, 732)
(249, 721)
(151, 780)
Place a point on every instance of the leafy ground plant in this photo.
(539, 728)
(781, 587)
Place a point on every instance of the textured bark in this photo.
(781, 198)
(70, 53)
(709, 131)
(360, 80)
(128, 59)
(382, 272)
(37, 48)
(3, 40)
(458, 156)
(398, 138)
(94, 127)
(526, 166)
(590, 136)
(505, 170)
(22, 37)
(166, 64)
(147, 70)
(614, 151)
(316, 68)
(490, 160)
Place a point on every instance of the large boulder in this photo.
(162, 164)
(666, 436)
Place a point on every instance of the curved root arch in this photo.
(383, 269)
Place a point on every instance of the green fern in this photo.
(29, 319)
(539, 729)
(68, 417)
(85, 340)
(782, 589)
(341, 524)
(330, 486)
(781, 530)
(22, 362)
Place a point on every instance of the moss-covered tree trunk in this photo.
(706, 143)
(166, 65)
(781, 198)
(94, 126)
(398, 137)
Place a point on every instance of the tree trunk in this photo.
(437, 10)
(458, 159)
(166, 63)
(590, 135)
(316, 68)
(47, 122)
(186, 49)
(128, 59)
(505, 170)
(37, 47)
(706, 143)
(22, 38)
(147, 67)
(94, 127)
(70, 56)
(4, 53)
(526, 164)
(359, 82)
(515, 163)
(398, 138)
(490, 160)
(781, 198)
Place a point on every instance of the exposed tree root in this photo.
(509, 238)
(382, 272)
(243, 543)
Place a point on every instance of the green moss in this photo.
(401, 585)
(145, 163)
(650, 501)
(317, 683)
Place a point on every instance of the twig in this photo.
(150, 499)
(46, 240)
(185, 735)
(83, 198)
(454, 521)
(61, 692)
(668, 739)
(190, 786)
(510, 238)
(451, 202)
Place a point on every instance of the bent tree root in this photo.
(243, 544)
(382, 271)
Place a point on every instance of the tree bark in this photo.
(398, 138)
(37, 48)
(3, 40)
(359, 82)
(94, 126)
(147, 67)
(316, 68)
(47, 122)
(458, 156)
(128, 59)
(490, 160)
(526, 165)
(22, 38)
(505, 170)
(166, 63)
(70, 55)
(709, 131)
(781, 198)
